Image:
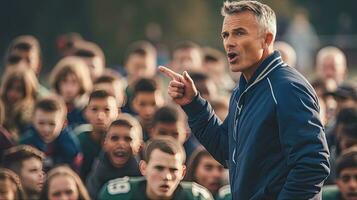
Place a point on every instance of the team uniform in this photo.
(135, 189)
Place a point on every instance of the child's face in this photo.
(32, 175)
(69, 88)
(174, 129)
(119, 145)
(113, 89)
(163, 173)
(145, 104)
(139, 66)
(101, 112)
(48, 124)
(15, 92)
(62, 187)
(209, 173)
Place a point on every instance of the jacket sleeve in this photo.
(208, 128)
(303, 142)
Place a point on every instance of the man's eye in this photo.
(239, 33)
(224, 35)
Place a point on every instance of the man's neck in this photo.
(248, 74)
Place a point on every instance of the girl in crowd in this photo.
(70, 78)
(206, 171)
(10, 186)
(18, 92)
(63, 183)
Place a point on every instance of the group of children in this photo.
(91, 132)
(96, 133)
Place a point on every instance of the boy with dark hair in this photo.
(140, 62)
(121, 144)
(345, 136)
(166, 122)
(26, 162)
(346, 171)
(111, 82)
(163, 169)
(147, 98)
(49, 134)
(102, 109)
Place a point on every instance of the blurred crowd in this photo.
(89, 131)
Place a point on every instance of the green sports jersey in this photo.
(224, 193)
(134, 189)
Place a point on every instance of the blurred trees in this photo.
(113, 24)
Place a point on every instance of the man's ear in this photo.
(142, 167)
(268, 39)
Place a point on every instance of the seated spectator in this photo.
(206, 171)
(10, 186)
(63, 183)
(70, 80)
(6, 138)
(49, 134)
(26, 162)
(111, 82)
(163, 169)
(100, 112)
(121, 144)
(346, 171)
(18, 93)
(147, 98)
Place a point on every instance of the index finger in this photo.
(168, 72)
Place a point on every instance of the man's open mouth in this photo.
(232, 57)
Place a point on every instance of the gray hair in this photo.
(264, 14)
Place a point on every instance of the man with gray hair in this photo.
(272, 139)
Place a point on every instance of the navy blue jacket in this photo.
(65, 149)
(272, 139)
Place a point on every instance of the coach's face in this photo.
(244, 42)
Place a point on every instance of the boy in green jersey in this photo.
(163, 170)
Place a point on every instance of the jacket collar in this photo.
(270, 63)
